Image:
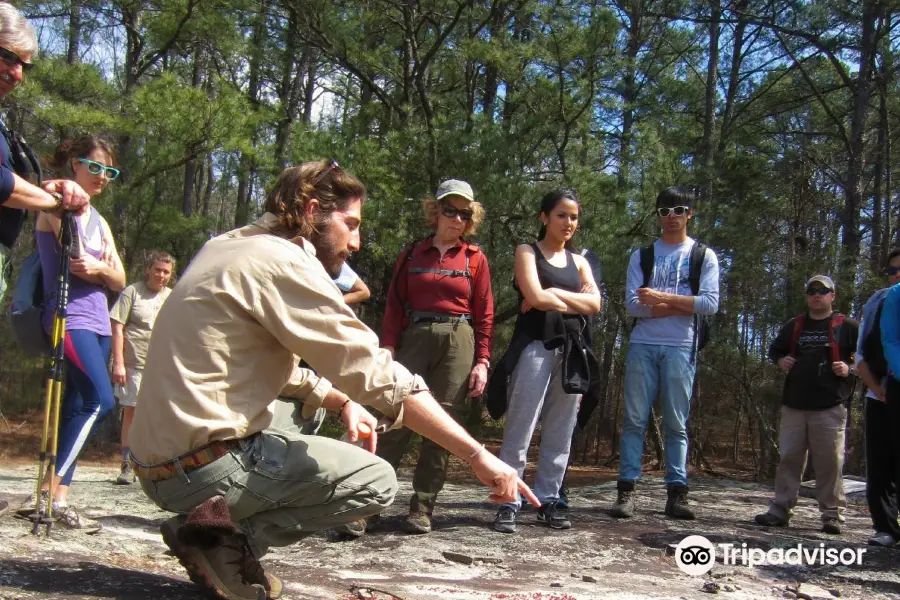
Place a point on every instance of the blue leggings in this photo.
(87, 399)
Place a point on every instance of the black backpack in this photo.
(702, 323)
(873, 350)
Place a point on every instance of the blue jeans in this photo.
(651, 371)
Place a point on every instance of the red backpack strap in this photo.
(799, 322)
(837, 319)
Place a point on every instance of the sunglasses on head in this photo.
(12, 59)
(95, 168)
(818, 290)
(451, 212)
(893, 270)
(678, 211)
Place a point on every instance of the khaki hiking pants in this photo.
(284, 483)
(818, 434)
(443, 355)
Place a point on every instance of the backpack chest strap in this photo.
(446, 272)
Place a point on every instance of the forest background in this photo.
(780, 114)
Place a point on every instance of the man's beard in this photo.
(326, 251)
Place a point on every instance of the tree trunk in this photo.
(853, 183)
(75, 26)
(709, 115)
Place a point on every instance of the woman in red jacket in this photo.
(438, 322)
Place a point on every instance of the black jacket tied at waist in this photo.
(581, 369)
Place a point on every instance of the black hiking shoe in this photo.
(767, 519)
(554, 516)
(505, 521)
(677, 503)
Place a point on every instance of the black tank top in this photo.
(566, 278)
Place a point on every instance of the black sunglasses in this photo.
(451, 212)
(820, 291)
(12, 59)
(893, 270)
(678, 211)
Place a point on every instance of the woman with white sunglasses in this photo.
(88, 395)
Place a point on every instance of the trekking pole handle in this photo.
(69, 235)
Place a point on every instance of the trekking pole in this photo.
(53, 389)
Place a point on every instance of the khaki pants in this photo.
(442, 353)
(283, 485)
(819, 434)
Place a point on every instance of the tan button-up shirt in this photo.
(226, 342)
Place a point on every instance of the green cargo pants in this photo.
(442, 354)
(283, 485)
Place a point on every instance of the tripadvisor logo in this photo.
(695, 555)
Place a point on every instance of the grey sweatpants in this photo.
(536, 394)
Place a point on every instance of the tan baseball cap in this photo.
(455, 187)
(823, 279)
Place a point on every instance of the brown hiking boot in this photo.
(418, 522)
(228, 571)
(624, 506)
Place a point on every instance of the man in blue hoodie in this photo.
(662, 352)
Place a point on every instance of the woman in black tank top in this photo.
(550, 279)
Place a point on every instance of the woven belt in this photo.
(189, 462)
(417, 316)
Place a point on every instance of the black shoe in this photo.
(767, 519)
(554, 516)
(677, 503)
(505, 521)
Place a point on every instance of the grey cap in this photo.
(455, 187)
(823, 279)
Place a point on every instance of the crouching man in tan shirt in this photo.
(204, 442)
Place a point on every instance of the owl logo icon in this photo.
(695, 555)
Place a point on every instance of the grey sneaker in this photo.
(126, 476)
(553, 515)
(65, 514)
(882, 538)
(418, 522)
(505, 521)
(228, 571)
(767, 519)
(831, 525)
(624, 506)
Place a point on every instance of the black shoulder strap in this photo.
(406, 257)
(698, 254)
(647, 257)
(24, 162)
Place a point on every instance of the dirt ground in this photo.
(599, 558)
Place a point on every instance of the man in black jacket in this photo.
(17, 45)
(816, 351)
